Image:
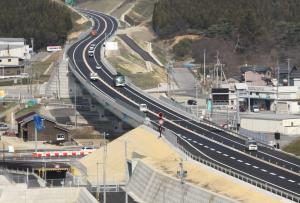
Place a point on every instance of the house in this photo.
(256, 75)
(293, 76)
(11, 66)
(14, 47)
(52, 132)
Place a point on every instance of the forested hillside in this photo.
(46, 21)
(242, 25)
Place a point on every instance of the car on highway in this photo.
(92, 45)
(191, 102)
(119, 80)
(143, 107)
(91, 53)
(99, 67)
(251, 144)
(93, 76)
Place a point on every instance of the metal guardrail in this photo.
(172, 137)
(227, 170)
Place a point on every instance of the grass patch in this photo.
(144, 8)
(27, 110)
(293, 148)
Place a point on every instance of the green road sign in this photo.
(70, 2)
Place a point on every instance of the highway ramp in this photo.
(144, 144)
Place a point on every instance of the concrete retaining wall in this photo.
(149, 185)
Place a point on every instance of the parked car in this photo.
(3, 126)
(255, 108)
(191, 102)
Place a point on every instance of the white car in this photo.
(98, 67)
(251, 144)
(91, 53)
(255, 109)
(143, 107)
(93, 76)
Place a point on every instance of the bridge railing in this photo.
(176, 140)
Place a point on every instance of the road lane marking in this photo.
(212, 149)
(264, 170)
(282, 177)
(206, 146)
(195, 141)
(292, 181)
(200, 144)
(219, 152)
(189, 139)
(273, 174)
(256, 167)
(232, 157)
(225, 155)
(247, 164)
(240, 161)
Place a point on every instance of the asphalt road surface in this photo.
(201, 138)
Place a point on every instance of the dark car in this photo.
(191, 102)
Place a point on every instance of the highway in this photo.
(201, 138)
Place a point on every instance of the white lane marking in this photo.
(195, 141)
(189, 139)
(292, 181)
(212, 149)
(206, 146)
(273, 174)
(240, 161)
(184, 137)
(255, 167)
(200, 144)
(225, 155)
(219, 152)
(282, 177)
(232, 157)
(247, 164)
(264, 170)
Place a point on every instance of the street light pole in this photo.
(75, 104)
(104, 168)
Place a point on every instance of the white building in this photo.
(14, 47)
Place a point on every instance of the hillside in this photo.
(253, 31)
(46, 21)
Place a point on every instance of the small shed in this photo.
(52, 132)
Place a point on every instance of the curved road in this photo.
(200, 138)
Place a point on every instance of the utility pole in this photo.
(75, 108)
(288, 61)
(182, 174)
(104, 168)
(204, 71)
(127, 172)
(98, 186)
(276, 107)
(197, 104)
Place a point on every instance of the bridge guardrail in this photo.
(173, 137)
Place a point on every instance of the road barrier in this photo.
(62, 153)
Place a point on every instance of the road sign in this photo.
(38, 122)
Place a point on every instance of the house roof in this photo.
(258, 69)
(12, 39)
(30, 116)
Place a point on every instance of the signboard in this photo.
(220, 95)
(39, 124)
(70, 2)
(111, 46)
(209, 105)
(53, 48)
